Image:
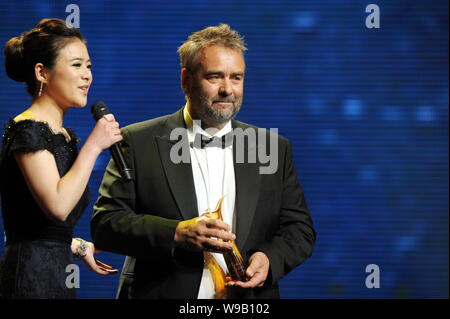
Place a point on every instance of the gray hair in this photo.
(215, 35)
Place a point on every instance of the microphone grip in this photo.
(119, 160)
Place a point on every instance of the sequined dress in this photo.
(37, 249)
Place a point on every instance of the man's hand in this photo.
(257, 272)
(204, 234)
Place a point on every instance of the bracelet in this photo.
(81, 250)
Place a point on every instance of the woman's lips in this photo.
(84, 89)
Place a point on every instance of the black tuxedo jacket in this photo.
(138, 218)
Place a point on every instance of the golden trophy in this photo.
(233, 258)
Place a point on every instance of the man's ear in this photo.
(41, 73)
(186, 81)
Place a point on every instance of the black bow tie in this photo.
(201, 141)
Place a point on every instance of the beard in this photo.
(210, 114)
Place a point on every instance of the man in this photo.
(157, 220)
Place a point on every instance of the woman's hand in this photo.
(85, 251)
(105, 133)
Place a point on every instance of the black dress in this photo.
(37, 249)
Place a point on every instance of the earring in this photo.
(40, 89)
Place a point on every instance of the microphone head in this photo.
(98, 110)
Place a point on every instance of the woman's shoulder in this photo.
(28, 127)
(28, 135)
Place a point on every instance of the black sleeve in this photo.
(117, 227)
(295, 237)
(29, 136)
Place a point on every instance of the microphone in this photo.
(98, 110)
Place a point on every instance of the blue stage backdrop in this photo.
(366, 110)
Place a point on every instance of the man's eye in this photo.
(77, 65)
(89, 66)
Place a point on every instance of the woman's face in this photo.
(69, 80)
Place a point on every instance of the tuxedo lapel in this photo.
(181, 181)
(179, 176)
(248, 182)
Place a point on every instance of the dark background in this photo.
(366, 111)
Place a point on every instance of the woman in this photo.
(43, 178)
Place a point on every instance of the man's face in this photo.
(217, 86)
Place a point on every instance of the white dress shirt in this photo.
(213, 172)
